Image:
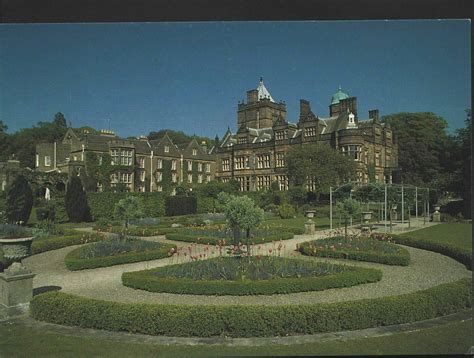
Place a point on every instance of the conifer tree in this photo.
(77, 207)
(19, 201)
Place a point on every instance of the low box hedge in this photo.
(458, 254)
(140, 231)
(74, 262)
(180, 236)
(58, 242)
(402, 258)
(251, 320)
(145, 280)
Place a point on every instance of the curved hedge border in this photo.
(458, 254)
(251, 321)
(139, 231)
(177, 236)
(74, 262)
(145, 280)
(53, 243)
(402, 259)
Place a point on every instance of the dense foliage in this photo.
(12, 231)
(180, 205)
(76, 204)
(251, 321)
(323, 164)
(358, 248)
(128, 208)
(115, 251)
(259, 275)
(19, 201)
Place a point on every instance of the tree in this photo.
(320, 163)
(76, 204)
(59, 120)
(241, 214)
(348, 208)
(129, 208)
(19, 201)
(423, 148)
(297, 195)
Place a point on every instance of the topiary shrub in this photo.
(19, 201)
(76, 201)
(286, 211)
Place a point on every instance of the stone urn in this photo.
(436, 207)
(366, 216)
(436, 214)
(310, 213)
(16, 249)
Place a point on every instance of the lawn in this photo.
(18, 340)
(455, 234)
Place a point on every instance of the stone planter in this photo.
(16, 249)
(366, 215)
(436, 207)
(310, 213)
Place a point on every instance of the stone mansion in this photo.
(254, 155)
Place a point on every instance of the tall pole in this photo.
(330, 207)
(416, 203)
(350, 196)
(385, 208)
(403, 207)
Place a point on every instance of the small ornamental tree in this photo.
(19, 201)
(348, 208)
(128, 208)
(76, 204)
(241, 214)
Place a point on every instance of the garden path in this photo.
(427, 269)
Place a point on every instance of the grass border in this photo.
(251, 320)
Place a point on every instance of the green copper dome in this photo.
(336, 97)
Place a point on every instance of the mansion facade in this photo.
(138, 164)
(254, 156)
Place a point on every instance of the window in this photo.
(263, 161)
(208, 167)
(47, 161)
(114, 178)
(142, 176)
(100, 159)
(159, 164)
(115, 156)
(310, 132)
(352, 151)
(208, 178)
(141, 189)
(282, 181)
(199, 167)
(159, 177)
(126, 178)
(225, 180)
(141, 162)
(263, 182)
(174, 164)
(279, 135)
(377, 159)
(242, 140)
(126, 157)
(280, 159)
(174, 178)
(167, 148)
(159, 188)
(200, 178)
(225, 165)
(190, 165)
(37, 160)
(240, 162)
(194, 151)
(190, 178)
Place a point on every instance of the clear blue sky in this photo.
(190, 76)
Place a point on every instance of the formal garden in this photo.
(257, 266)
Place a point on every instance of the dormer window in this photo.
(167, 148)
(194, 151)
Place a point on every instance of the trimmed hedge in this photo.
(102, 204)
(251, 320)
(402, 259)
(74, 262)
(458, 254)
(145, 280)
(58, 242)
(180, 205)
(177, 236)
(141, 231)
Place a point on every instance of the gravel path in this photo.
(426, 269)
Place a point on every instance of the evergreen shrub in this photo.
(180, 205)
(76, 204)
(19, 200)
(251, 320)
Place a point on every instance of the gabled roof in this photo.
(200, 152)
(159, 147)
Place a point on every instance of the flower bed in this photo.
(138, 231)
(69, 239)
(244, 276)
(357, 248)
(115, 251)
(251, 320)
(218, 234)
